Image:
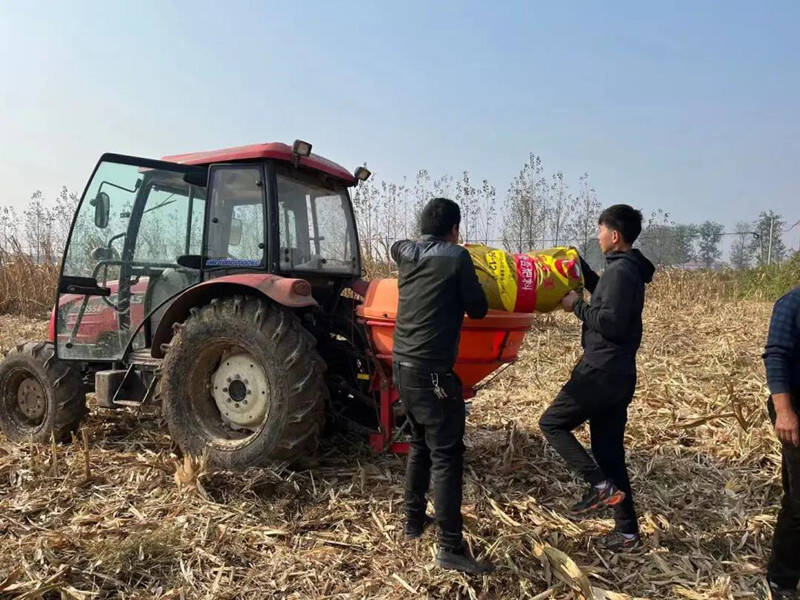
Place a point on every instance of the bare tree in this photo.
(583, 223)
(365, 207)
(741, 255)
(558, 209)
(8, 230)
(525, 218)
(443, 187)
(467, 199)
(709, 237)
(64, 208)
(768, 244)
(488, 211)
(666, 243)
(423, 191)
(38, 224)
(391, 217)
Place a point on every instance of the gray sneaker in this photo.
(462, 561)
(616, 541)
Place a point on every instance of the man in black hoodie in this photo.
(603, 382)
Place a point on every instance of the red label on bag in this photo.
(526, 283)
(568, 268)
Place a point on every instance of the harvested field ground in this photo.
(117, 520)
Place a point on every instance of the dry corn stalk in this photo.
(564, 568)
(189, 471)
(312, 534)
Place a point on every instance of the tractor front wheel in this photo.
(40, 395)
(242, 381)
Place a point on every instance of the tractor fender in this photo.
(289, 292)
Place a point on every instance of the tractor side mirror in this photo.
(102, 205)
(236, 232)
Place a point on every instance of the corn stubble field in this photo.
(116, 515)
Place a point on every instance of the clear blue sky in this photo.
(691, 107)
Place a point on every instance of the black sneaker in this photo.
(616, 541)
(462, 561)
(779, 593)
(413, 530)
(595, 498)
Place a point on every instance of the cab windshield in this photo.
(316, 228)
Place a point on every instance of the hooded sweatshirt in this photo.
(612, 320)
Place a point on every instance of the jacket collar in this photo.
(429, 237)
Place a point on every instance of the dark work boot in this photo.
(463, 561)
(414, 529)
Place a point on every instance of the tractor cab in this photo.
(146, 231)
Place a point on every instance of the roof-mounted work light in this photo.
(362, 173)
(300, 149)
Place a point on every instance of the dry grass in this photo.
(26, 288)
(122, 518)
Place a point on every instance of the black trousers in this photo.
(602, 399)
(784, 565)
(437, 448)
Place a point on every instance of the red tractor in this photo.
(216, 284)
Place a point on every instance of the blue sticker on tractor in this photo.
(232, 262)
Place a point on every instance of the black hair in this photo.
(624, 219)
(439, 217)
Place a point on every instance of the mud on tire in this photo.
(39, 394)
(277, 343)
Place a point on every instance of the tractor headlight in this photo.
(301, 148)
(362, 173)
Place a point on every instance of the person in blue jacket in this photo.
(782, 363)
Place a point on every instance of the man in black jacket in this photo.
(603, 382)
(437, 283)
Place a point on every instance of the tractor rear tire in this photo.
(40, 396)
(279, 348)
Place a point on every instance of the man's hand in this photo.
(569, 301)
(787, 425)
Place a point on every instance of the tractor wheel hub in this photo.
(31, 399)
(240, 390)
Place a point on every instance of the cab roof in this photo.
(274, 150)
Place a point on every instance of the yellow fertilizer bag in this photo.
(535, 281)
